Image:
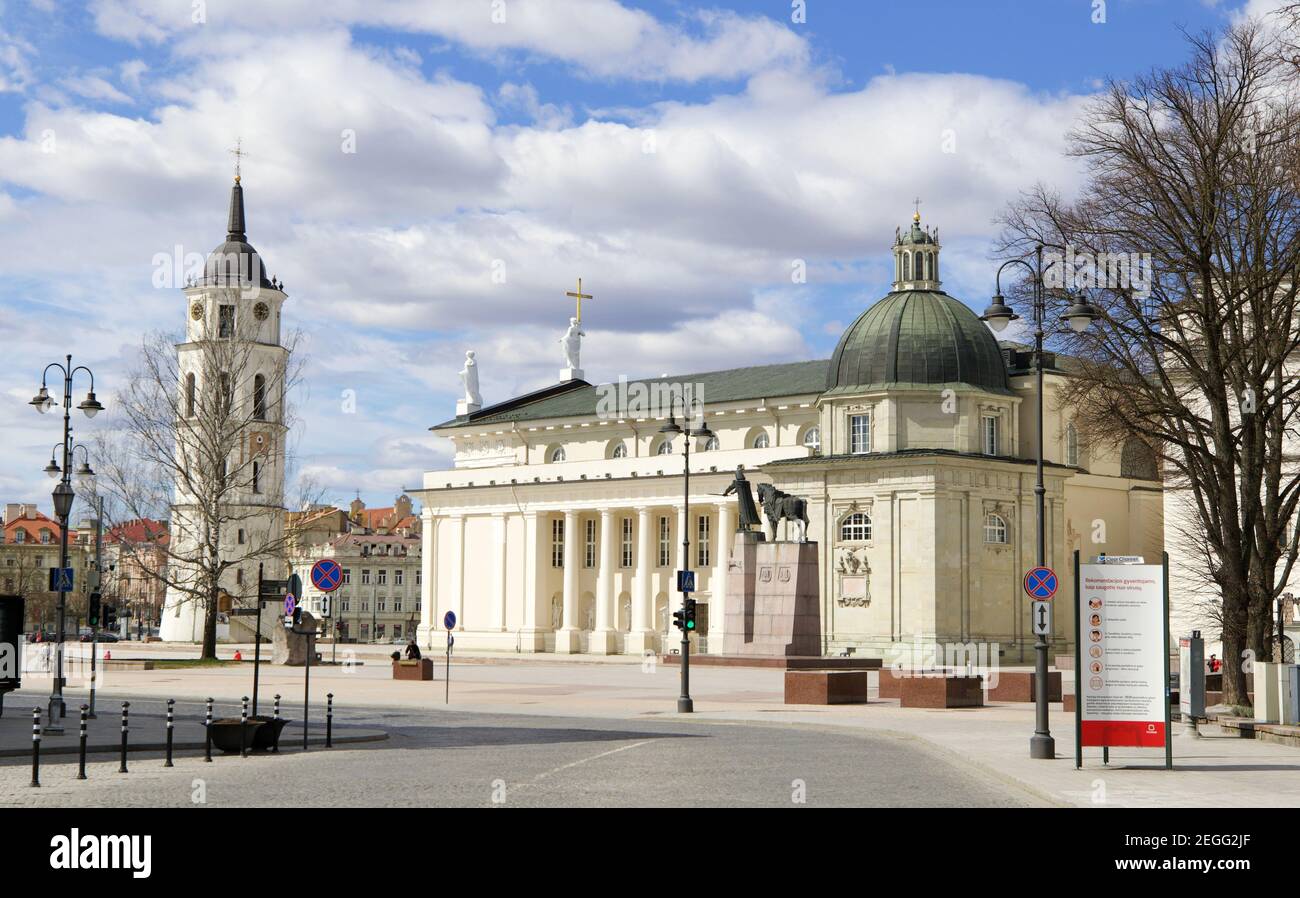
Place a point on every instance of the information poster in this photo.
(1122, 655)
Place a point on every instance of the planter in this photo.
(226, 734)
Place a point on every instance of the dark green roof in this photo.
(577, 399)
(917, 337)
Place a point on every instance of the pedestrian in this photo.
(412, 651)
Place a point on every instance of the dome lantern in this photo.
(916, 257)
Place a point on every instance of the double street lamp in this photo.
(63, 498)
(670, 429)
(1079, 316)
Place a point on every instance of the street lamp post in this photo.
(685, 705)
(1079, 316)
(63, 498)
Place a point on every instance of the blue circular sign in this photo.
(449, 620)
(326, 575)
(290, 603)
(1041, 583)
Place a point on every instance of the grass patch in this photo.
(182, 663)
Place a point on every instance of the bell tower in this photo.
(232, 368)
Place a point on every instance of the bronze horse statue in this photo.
(778, 505)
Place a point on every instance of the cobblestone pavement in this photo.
(515, 760)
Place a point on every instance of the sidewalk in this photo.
(1217, 770)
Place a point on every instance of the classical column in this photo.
(566, 640)
(536, 610)
(428, 578)
(458, 569)
(499, 563)
(642, 636)
(718, 578)
(602, 640)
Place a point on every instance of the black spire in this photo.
(235, 226)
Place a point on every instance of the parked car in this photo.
(103, 637)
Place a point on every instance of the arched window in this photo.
(257, 477)
(856, 527)
(995, 529)
(812, 438)
(761, 440)
(711, 445)
(1137, 460)
(619, 450)
(919, 266)
(259, 398)
(665, 448)
(1071, 445)
(189, 395)
(557, 454)
(907, 266)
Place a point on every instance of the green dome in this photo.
(917, 337)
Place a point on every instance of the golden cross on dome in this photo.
(238, 152)
(579, 296)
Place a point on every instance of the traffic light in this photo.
(689, 614)
(92, 611)
(110, 617)
(679, 620)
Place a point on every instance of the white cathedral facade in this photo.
(232, 369)
(559, 528)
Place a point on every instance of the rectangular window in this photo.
(990, 434)
(397, 577)
(557, 542)
(365, 604)
(347, 576)
(626, 559)
(257, 477)
(365, 576)
(665, 542)
(381, 604)
(345, 604)
(860, 434)
(702, 546)
(417, 604)
(589, 550)
(419, 576)
(239, 536)
(383, 578)
(226, 322)
(397, 605)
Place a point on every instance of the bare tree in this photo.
(1194, 168)
(204, 444)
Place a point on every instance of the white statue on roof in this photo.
(572, 343)
(472, 401)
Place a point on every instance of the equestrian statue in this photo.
(778, 506)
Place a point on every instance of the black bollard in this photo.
(275, 745)
(125, 730)
(243, 730)
(329, 720)
(171, 722)
(207, 735)
(36, 748)
(81, 761)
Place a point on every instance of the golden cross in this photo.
(238, 153)
(579, 296)
(917, 201)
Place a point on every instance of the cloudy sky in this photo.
(431, 176)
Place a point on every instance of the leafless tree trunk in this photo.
(1195, 168)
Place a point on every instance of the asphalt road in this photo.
(460, 759)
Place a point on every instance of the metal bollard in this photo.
(329, 720)
(36, 748)
(171, 723)
(207, 735)
(125, 729)
(243, 730)
(275, 746)
(81, 760)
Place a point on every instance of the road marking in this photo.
(579, 762)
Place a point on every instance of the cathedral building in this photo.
(560, 526)
(232, 368)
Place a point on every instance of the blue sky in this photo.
(679, 157)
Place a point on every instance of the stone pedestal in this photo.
(773, 604)
(602, 642)
(465, 407)
(826, 687)
(291, 648)
(568, 641)
(567, 374)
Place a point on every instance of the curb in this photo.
(153, 747)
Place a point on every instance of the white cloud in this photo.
(92, 87)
